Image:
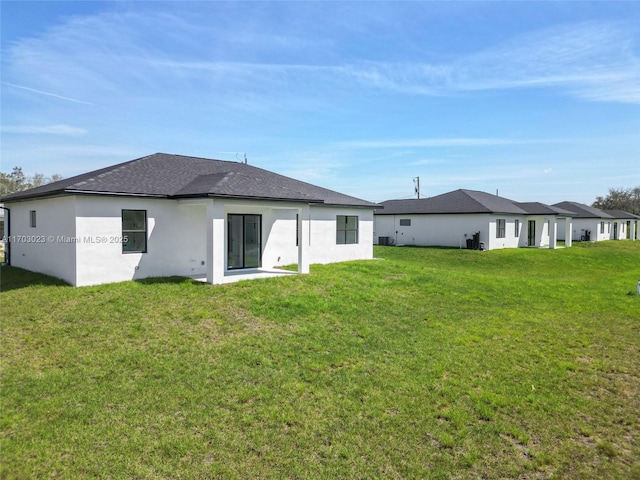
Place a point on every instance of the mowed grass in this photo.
(426, 363)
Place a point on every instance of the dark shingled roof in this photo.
(621, 214)
(582, 211)
(537, 208)
(178, 176)
(458, 201)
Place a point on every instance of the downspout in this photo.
(395, 229)
(7, 242)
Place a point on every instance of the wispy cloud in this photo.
(594, 61)
(49, 94)
(439, 142)
(46, 130)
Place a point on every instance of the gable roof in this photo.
(177, 176)
(581, 210)
(457, 201)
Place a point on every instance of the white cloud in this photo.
(46, 130)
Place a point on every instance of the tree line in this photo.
(625, 199)
(17, 181)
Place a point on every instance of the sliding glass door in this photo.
(244, 242)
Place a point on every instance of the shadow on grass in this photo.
(14, 278)
(169, 280)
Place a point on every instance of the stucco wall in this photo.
(323, 246)
(279, 232)
(453, 230)
(580, 225)
(48, 248)
(444, 230)
(175, 240)
(176, 236)
(278, 229)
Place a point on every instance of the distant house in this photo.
(593, 225)
(589, 223)
(165, 215)
(469, 219)
(625, 225)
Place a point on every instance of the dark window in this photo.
(405, 222)
(134, 231)
(601, 227)
(32, 218)
(517, 228)
(500, 228)
(347, 229)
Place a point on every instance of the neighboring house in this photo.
(165, 215)
(464, 218)
(593, 225)
(625, 225)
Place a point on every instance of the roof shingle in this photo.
(178, 176)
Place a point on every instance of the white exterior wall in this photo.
(176, 240)
(450, 230)
(44, 249)
(543, 227)
(581, 225)
(621, 227)
(87, 232)
(511, 239)
(433, 230)
(323, 247)
(278, 229)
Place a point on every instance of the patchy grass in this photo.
(429, 363)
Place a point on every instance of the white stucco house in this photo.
(624, 225)
(164, 215)
(593, 225)
(469, 219)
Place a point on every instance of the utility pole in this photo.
(416, 184)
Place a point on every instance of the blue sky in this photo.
(538, 100)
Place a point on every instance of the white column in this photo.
(568, 231)
(215, 241)
(304, 240)
(632, 226)
(553, 232)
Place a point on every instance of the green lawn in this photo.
(426, 363)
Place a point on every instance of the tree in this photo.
(626, 199)
(17, 181)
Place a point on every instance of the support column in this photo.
(215, 241)
(553, 233)
(304, 240)
(568, 232)
(632, 226)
